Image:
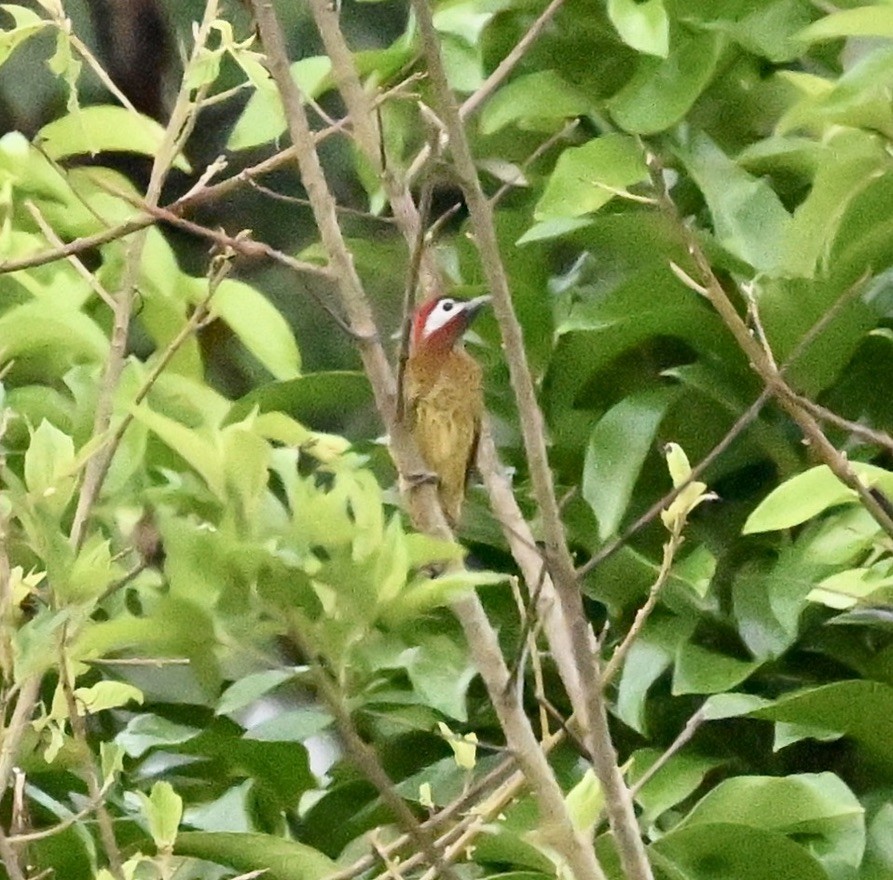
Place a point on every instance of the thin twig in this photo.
(671, 547)
(541, 150)
(50, 235)
(499, 75)
(68, 821)
(26, 701)
(10, 857)
(91, 772)
(880, 438)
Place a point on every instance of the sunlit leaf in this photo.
(643, 26)
(587, 177)
(103, 128)
(809, 494)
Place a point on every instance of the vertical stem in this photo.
(592, 710)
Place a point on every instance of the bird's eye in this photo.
(447, 305)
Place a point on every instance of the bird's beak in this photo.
(473, 306)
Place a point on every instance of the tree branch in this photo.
(592, 710)
(422, 501)
(762, 362)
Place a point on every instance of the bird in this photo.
(443, 399)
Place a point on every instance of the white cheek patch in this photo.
(440, 316)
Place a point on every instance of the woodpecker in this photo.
(443, 399)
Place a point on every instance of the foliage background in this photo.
(171, 655)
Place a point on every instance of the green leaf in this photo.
(644, 27)
(246, 457)
(440, 671)
(675, 781)
(857, 100)
(731, 705)
(855, 161)
(555, 228)
(104, 128)
(50, 466)
(312, 399)
(263, 119)
(107, 695)
(662, 91)
(144, 732)
(618, 446)
(858, 709)
(424, 594)
(252, 687)
(699, 671)
(27, 23)
(259, 326)
(163, 809)
(281, 859)
(846, 589)
(292, 726)
(817, 805)
(874, 20)
(650, 656)
(710, 851)
(748, 217)
(808, 494)
(585, 802)
(587, 177)
(201, 454)
(530, 100)
(44, 339)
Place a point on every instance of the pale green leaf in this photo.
(809, 494)
(873, 20)
(662, 91)
(50, 464)
(107, 695)
(644, 27)
(201, 454)
(263, 119)
(252, 687)
(587, 177)
(585, 802)
(104, 128)
(285, 859)
(259, 326)
(27, 23)
(163, 810)
(532, 99)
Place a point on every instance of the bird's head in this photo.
(438, 324)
